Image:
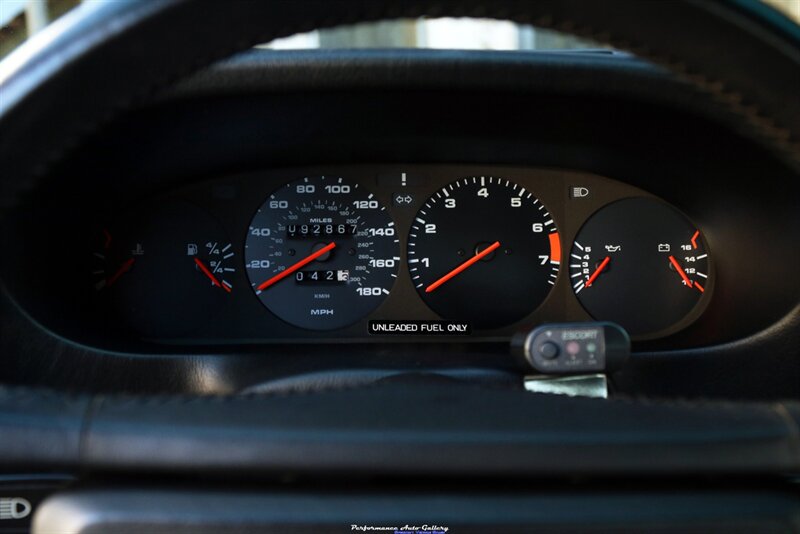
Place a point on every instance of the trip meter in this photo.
(322, 253)
(640, 263)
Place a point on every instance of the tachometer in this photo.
(484, 250)
(322, 253)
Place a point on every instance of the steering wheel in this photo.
(105, 58)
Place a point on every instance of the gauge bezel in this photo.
(706, 296)
(234, 198)
(529, 207)
(286, 307)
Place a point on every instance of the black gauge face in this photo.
(483, 250)
(322, 253)
(641, 264)
(167, 272)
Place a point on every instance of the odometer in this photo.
(485, 250)
(322, 253)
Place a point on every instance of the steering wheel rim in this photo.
(102, 59)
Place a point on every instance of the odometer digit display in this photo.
(322, 253)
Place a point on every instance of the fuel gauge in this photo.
(215, 263)
(642, 264)
(165, 270)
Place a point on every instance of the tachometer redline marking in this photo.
(299, 265)
(206, 271)
(476, 258)
(597, 271)
(555, 248)
(680, 270)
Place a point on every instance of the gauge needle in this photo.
(680, 270)
(597, 271)
(299, 265)
(206, 271)
(474, 259)
(124, 268)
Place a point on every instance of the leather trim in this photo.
(400, 426)
(98, 62)
(513, 508)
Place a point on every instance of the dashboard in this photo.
(225, 297)
(418, 252)
(242, 227)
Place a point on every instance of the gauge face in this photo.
(322, 253)
(484, 250)
(640, 263)
(167, 272)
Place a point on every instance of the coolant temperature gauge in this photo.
(113, 260)
(640, 263)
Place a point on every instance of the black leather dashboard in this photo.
(707, 412)
(225, 121)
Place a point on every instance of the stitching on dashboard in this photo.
(734, 102)
(761, 126)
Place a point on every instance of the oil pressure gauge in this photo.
(642, 264)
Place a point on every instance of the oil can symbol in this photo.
(14, 508)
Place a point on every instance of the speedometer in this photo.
(322, 253)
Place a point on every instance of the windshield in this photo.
(441, 33)
(19, 19)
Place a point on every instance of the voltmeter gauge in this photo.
(322, 253)
(642, 264)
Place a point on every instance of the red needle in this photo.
(597, 271)
(299, 265)
(476, 258)
(680, 270)
(698, 287)
(124, 268)
(694, 238)
(210, 275)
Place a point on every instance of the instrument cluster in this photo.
(417, 252)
